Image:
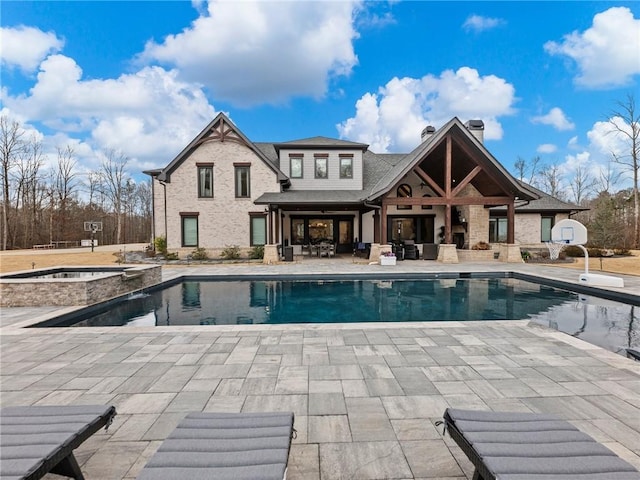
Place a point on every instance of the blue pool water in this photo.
(609, 324)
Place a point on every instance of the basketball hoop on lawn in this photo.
(92, 227)
(554, 249)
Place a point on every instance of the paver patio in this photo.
(366, 397)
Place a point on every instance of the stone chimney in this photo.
(427, 133)
(476, 127)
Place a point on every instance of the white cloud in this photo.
(478, 23)
(25, 47)
(605, 141)
(255, 52)
(573, 143)
(556, 118)
(148, 115)
(392, 119)
(607, 53)
(547, 148)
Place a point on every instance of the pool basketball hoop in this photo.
(572, 232)
(554, 249)
(565, 232)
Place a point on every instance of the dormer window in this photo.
(346, 166)
(295, 166)
(321, 166)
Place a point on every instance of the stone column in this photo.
(270, 254)
(447, 253)
(510, 253)
(377, 250)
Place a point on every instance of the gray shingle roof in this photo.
(326, 142)
(377, 166)
(545, 203)
(311, 197)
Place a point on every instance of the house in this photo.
(223, 189)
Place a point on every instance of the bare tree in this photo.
(629, 131)
(28, 185)
(11, 145)
(607, 179)
(524, 168)
(113, 181)
(64, 183)
(581, 184)
(551, 181)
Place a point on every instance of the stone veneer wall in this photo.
(476, 255)
(78, 291)
(477, 218)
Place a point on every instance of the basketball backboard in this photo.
(93, 227)
(569, 232)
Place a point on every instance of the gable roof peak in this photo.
(223, 129)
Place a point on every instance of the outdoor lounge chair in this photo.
(36, 440)
(224, 446)
(518, 446)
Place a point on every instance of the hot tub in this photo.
(62, 286)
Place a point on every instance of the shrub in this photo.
(231, 252)
(257, 252)
(171, 256)
(595, 252)
(526, 256)
(199, 254)
(621, 251)
(481, 246)
(161, 245)
(572, 251)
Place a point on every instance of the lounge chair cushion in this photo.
(518, 446)
(224, 446)
(34, 439)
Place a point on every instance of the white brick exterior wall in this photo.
(224, 219)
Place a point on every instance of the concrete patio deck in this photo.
(366, 397)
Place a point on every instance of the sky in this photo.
(144, 78)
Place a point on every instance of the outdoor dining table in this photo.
(321, 249)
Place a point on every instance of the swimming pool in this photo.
(198, 301)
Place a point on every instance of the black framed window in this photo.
(189, 230)
(205, 181)
(546, 224)
(242, 181)
(346, 167)
(258, 230)
(322, 167)
(497, 229)
(296, 167)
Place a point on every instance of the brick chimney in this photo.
(427, 133)
(476, 127)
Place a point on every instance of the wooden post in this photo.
(511, 218)
(383, 225)
(448, 234)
